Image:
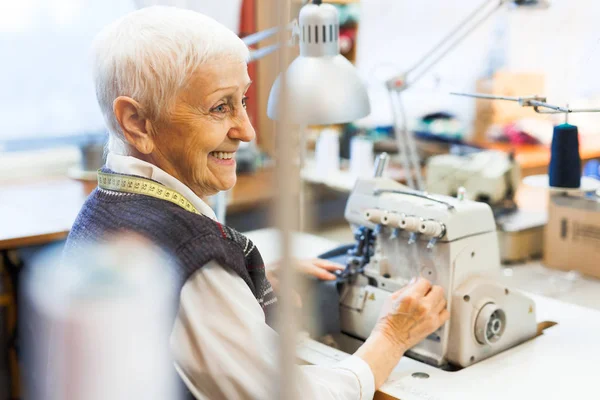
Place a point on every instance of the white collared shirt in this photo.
(223, 348)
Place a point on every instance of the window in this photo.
(46, 91)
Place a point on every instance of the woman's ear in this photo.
(134, 124)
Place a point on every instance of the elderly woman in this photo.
(172, 85)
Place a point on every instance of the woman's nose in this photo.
(242, 129)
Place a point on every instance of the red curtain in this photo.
(248, 26)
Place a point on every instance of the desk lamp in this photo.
(401, 82)
(322, 86)
(319, 87)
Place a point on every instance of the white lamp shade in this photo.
(320, 91)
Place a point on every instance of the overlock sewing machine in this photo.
(402, 233)
(488, 176)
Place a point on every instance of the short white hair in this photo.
(150, 54)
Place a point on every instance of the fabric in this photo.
(222, 346)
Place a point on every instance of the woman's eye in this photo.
(244, 101)
(222, 109)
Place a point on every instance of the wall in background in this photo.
(45, 73)
(562, 42)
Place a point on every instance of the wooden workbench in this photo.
(43, 211)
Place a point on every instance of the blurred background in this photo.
(52, 134)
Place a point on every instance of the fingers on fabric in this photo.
(328, 265)
(311, 269)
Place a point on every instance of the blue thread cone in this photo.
(565, 162)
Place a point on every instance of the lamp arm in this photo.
(258, 37)
(404, 140)
(429, 60)
(256, 55)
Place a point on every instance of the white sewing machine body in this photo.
(489, 176)
(452, 243)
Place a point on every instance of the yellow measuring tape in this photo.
(131, 184)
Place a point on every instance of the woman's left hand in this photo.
(320, 269)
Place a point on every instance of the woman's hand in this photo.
(409, 316)
(412, 313)
(320, 269)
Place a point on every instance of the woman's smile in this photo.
(222, 158)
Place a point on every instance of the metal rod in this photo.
(257, 37)
(381, 164)
(486, 96)
(536, 102)
(454, 44)
(449, 36)
(413, 155)
(263, 52)
(287, 179)
(302, 196)
(399, 128)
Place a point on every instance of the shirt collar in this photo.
(134, 166)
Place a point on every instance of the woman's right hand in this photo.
(412, 313)
(408, 316)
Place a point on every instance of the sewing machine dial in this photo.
(429, 272)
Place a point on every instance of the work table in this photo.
(559, 364)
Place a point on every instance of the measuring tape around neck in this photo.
(146, 187)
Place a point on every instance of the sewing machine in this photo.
(491, 177)
(401, 234)
(488, 176)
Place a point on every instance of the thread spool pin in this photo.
(413, 238)
(432, 243)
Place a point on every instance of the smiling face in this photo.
(196, 142)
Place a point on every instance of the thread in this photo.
(565, 162)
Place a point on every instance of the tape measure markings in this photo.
(136, 185)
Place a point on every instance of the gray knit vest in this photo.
(191, 239)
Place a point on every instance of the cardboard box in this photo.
(572, 236)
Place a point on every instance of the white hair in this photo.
(150, 54)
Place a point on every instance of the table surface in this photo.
(39, 212)
(43, 211)
(560, 364)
